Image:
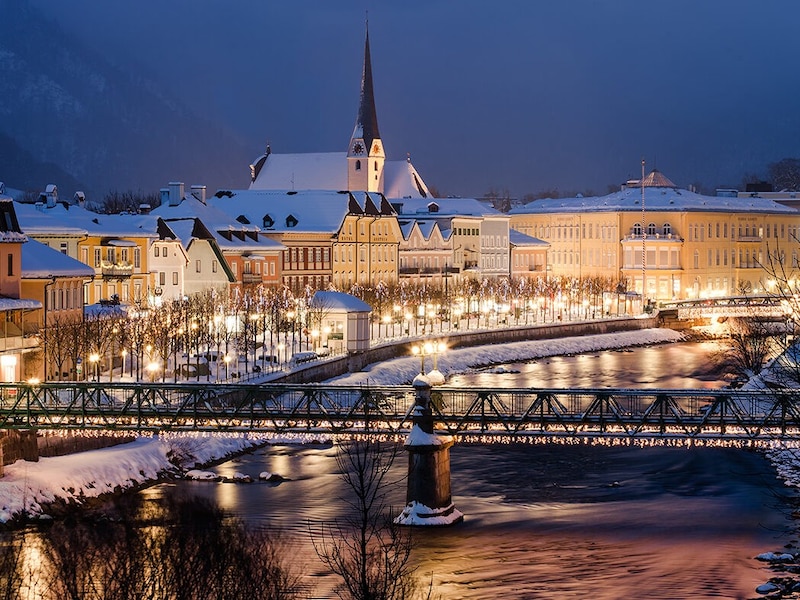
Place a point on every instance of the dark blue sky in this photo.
(522, 95)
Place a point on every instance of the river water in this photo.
(554, 521)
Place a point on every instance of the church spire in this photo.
(367, 122)
(365, 155)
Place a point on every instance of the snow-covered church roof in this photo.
(339, 301)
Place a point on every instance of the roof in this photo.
(18, 304)
(40, 261)
(663, 199)
(66, 219)
(339, 301)
(328, 171)
(443, 207)
(517, 238)
(657, 179)
(282, 211)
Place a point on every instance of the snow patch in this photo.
(420, 515)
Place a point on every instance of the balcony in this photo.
(116, 271)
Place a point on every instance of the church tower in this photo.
(365, 157)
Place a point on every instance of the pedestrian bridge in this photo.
(766, 307)
(471, 414)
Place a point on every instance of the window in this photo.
(110, 255)
(214, 266)
(162, 278)
(197, 266)
(97, 257)
(63, 247)
(651, 229)
(667, 229)
(155, 250)
(124, 256)
(10, 264)
(637, 229)
(358, 165)
(137, 257)
(174, 278)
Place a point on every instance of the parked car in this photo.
(303, 357)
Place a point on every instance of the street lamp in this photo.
(94, 358)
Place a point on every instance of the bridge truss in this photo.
(472, 414)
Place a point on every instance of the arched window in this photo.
(637, 229)
(651, 229)
(358, 165)
(667, 229)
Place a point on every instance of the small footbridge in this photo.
(761, 306)
(713, 416)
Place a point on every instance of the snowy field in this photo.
(28, 487)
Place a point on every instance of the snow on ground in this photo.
(402, 370)
(27, 487)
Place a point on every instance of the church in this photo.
(362, 168)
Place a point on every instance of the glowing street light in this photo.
(94, 358)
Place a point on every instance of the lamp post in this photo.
(94, 358)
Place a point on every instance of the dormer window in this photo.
(637, 229)
(651, 229)
(668, 229)
(243, 220)
(291, 221)
(268, 222)
(433, 207)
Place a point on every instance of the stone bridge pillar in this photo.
(428, 500)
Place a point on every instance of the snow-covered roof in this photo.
(339, 301)
(666, 199)
(401, 180)
(443, 207)
(308, 171)
(328, 171)
(64, 219)
(279, 210)
(19, 304)
(517, 238)
(40, 261)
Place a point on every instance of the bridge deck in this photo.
(664, 414)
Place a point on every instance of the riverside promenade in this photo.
(335, 367)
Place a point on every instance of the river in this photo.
(555, 521)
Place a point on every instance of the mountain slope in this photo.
(105, 127)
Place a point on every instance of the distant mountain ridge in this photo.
(111, 130)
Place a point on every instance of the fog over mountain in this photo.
(68, 113)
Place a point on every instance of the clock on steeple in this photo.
(358, 148)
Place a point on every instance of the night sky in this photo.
(518, 95)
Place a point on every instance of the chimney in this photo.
(80, 199)
(52, 195)
(175, 193)
(199, 192)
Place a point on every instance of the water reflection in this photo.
(683, 365)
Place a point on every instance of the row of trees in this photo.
(170, 340)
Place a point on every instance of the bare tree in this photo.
(365, 549)
(785, 174)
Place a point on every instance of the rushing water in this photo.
(555, 521)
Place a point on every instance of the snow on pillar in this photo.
(428, 499)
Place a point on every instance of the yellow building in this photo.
(693, 246)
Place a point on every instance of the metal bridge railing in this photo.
(721, 414)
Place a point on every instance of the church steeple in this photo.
(365, 155)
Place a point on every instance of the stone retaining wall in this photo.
(356, 362)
